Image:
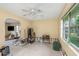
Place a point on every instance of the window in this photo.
(71, 26)
(66, 28)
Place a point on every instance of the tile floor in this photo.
(35, 49)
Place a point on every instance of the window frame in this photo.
(69, 19)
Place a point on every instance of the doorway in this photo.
(30, 31)
(12, 29)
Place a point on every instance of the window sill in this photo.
(75, 48)
(72, 48)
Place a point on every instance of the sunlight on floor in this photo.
(35, 49)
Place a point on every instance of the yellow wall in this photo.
(67, 48)
(3, 16)
(65, 9)
(65, 45)
(49, 27)
(41, 27)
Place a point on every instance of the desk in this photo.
(4, 50)
(0, 54)
(1, 46)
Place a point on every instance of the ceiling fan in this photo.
(35, 11)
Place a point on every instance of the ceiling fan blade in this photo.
(24, 10)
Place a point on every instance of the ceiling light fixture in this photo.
(32, 12)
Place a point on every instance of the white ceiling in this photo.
(48, 10)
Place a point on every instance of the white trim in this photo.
(70, 10)
(73, 49)
(74, 45)
(77, 53)
(61, 29)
